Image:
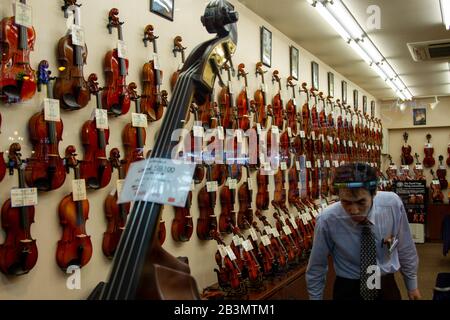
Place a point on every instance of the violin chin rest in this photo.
(70, 102)
(173, 284)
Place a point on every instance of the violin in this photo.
(95, 169)
(18, 254)
(71, 88)
(207, 198)
(418, 169)
(262, 196)
(436, 193)
(115, 95)
(392, 170)
(245, 195)
(142, 268)
(448, 151)
(219, 171)
(291, 109)
(260, 98)
(227, 103)
(18, 80)
(190, 146)
(277, 110)
(265, 253)
(306, 119)
(115, 213)
(407, 158)
(177, 48)
(286, 237)
(75, 246)
(441, 173)
(243, 102)
(133, 138)
(153, 99)
(182, 224)
(227, 201)
(2, 160)
(45, 169)
(428, 161)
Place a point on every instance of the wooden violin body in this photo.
(407, 158)
(429, 160)
(441, 173)
(182, 225)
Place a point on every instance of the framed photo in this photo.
(163, 8)
(331, 84)
(355, 99)
(372, 108)
(364, 105)
(294, 62)
(344, 92)
(420, 116)
(315, 75)
(266, 47)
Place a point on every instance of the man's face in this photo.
(356, 203)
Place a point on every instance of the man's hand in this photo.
(414, 294)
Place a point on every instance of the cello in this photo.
(428, 161)
(177, 48)
(70, 87)
(153, 99)
(18, 80)
(441, 173)
(95, 169)
(115, 213)
(407, 158)
(243, 102)
(18, 254)
(115, 95)
(143, 269)
(45, 169)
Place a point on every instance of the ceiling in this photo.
(402, 21)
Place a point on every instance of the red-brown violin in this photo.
(182, 225)
(428, 161)
(177, 48)
(207, 198)
(407, 158)
(71, 88)
(18, 254)
(75, 247)
(227, 103)
(18, 80)
(441, 173)
(115, 96)
(243, 102)
(260, 97)
(436, 193)
(2, 159)
(277, 109)
(245, 195)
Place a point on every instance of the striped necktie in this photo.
(368, 258)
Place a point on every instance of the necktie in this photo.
(368, 258)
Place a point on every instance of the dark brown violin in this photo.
(265, 253)
(207, 198)
(45, 169)
(177, 48)
(192, 147)
(441, 173)
(227, 103)
(243, 102)
(406, 151)
(71, 88)
(262, 196)
(75, 247)
(115, 95)
(153, 99)
(245, 195)
(115, 213)
(277, 109)
(428, 161)
(227, 200)
(287, 238)
(18, 254)
(18, 80)
(182, 224)
(306, 119)
(436, 193)
(448, 151)
(95, 168)
(2, 159)
(418, 169)
(291, 109)
(260, 97)
(133, 138)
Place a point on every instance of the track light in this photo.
(434, 104)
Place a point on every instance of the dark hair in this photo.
(355, 176)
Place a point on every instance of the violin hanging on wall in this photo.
(441, 173)
(407, 158)
(18, 254)
(177, 48)
(71, 88)
(17, 80)
(436, 193)
(448, 151)
(2, 160)
(428, 161)
(243, 102)
(115, 96)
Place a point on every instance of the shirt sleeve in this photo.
(407, 252)
(318, 261)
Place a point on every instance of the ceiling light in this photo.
(378, 70)
(399, 84)
(371, 50)
(445, 11)
(435, 103)
(387, 69)
(360, 52)
(343, 15)
(403, 106)
(332, 21)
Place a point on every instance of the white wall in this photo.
(46, 280)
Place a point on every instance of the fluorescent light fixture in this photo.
(445, 11)
(387, 69)
(371, 50)
(380, 72)
(408, 95)
(343, 15)
(360, 52)
(434, 104)
(332, 21)
(399, 84)
(402, 106)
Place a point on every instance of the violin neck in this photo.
(122, 64)
(51, 125)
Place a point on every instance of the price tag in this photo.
(239, 136)
(258, 128)
(266, 166)
(230, 87)
(275, 233)
(304, 220)
(313, 135)
(350, 143)
(23, 197)
(101, 118)
(253, 234)
(428, 145)
(297, 165)
(419, 167)
(23, 14)
(344, 142)
(77, 35)
(327, 163)
(78, 190)
(231, 183)
(247, 244)
(119, 186)
(51, 110)
(405, 167)
(289, 130)
(211, 186)
(342, 163)
(222, 251)
(330, 139)
(275, 130)
(263, 87)
(318, 163)
(250, 184)
(237, 240)
(393, 167)
(314, 213)
(308, 164)
(356, 144)
(122, 50)
(139, 120)
(268, 229)
(294, 224)
(287, 230)
(230, 253)
(436, 182)
(302, 134)
(283, 166)
(308, 215)
(156, 61)
(265, 240)
(198, 131)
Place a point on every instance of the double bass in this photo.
(18, 80)
(71, 88)
(428, 161)
(142, 269)
(75, 246)
(45, 169)
(18, 254)
(115, 95)
(407, 158)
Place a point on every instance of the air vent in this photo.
(430, 50)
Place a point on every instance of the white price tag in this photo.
(428, 145)
(198, 131)
(336, 163)
(139, 120)
(308, 164)
(122, 50)
(313, 135)
(436, 182)
(258, 128)
(268, 229)
(350, 143)
(220, 133)
(297, 165)
(250, 184)
(23, 14)
(302, 134)
(237, 240)
(247, 244)
(294, 224)
(419, 167)
(266, 166)
(23, 197)
(405, 167)
(327, 164)
(51, 110)
(308, 215)
(156, 61)
(275, 233)
(287, 230)
(253, 234)
(78, 190)
(222, 251)
(238, 136)
(393, 167)
(342, 163)
(289, 130)
(101, 119)
(230, 253)
(265, 240)
(211, 186)
(119, 186)
(231, 183)
(283, 166)
(77, 35)
(344, 142)
(318, 163)
(304, 220)
(314, 213)
(330, 139)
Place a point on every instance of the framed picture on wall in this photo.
(266, 47)
(420, 116)
(294, 62)
(355, 99)
(331, 84)
(163, 8)
(364, 105)
(344, 92)
(372, 108)
(315, 75)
